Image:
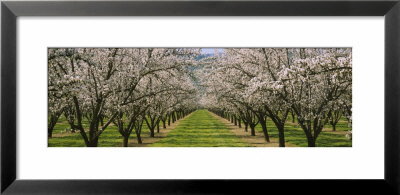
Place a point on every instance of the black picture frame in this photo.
(10, 10)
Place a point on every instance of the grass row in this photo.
(109, 138)
(201, 129)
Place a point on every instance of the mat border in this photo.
(10, 10)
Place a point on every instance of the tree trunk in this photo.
(126, 141)
(93, 142)
(102, 120)
(293, 119)
(139, 139)
(334, 119)
(253, 130)
(310, 141)
(158, 127)
(281, 137)
(246, 127)
(53, 121)
(163, 123)
(71, 127)
(235, 120)
(152, 132)
(70, 119)
(265, 130)
(50, 131)
(240, 123)
(169, 119)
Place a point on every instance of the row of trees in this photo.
(252, 86)
(121, 86)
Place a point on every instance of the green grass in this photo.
(109, 138)
(201, 129)
(294, 134)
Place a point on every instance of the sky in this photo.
(211, 50)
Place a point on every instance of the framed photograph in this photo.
(199, 97)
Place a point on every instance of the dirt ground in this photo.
(64, 134)
(328, 130)
(257, 141)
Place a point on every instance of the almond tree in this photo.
(316, 80)
(58, 82)
(266, 64)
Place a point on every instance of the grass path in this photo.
(201, 129)
(147, 140)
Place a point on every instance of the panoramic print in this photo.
(199, 97)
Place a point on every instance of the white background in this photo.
(364, 160)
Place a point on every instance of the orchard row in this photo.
(120, 86)
(255, 85)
